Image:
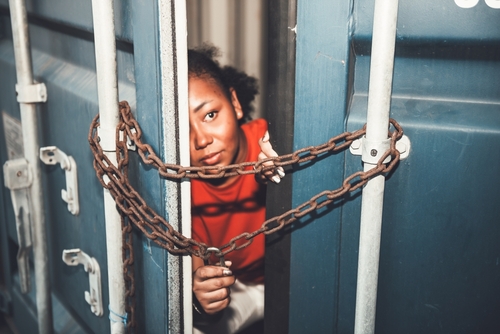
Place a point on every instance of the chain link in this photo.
(132, 206)
(156, 228)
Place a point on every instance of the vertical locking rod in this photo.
(379, 102)
(24, 73)
(107, 90)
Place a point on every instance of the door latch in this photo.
(73, 257)
(18, 178)
(51, 155)
(371, 152)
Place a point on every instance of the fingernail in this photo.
(266, 137)
(276, 179)
(227, 272)
(280, 171)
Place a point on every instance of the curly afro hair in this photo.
(202, 62)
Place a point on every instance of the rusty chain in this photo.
(156, 228)
(132, 206)
(128, 271)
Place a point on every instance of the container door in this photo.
(439, 249)
(62, 46)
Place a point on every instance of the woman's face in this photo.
(215, 136)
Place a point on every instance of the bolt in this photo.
(373, 153)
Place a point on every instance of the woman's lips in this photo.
(211, 159)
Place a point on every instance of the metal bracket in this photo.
(51, 155)
(73, 257)
(371, 152)
(31, 93)
(18, 178)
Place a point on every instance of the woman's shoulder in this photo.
(255, 128)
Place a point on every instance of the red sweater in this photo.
(221, 213)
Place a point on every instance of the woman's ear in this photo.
(236, 104)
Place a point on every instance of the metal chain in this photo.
(132, 129)
(128, 272)
(156, 228)
(136, 211)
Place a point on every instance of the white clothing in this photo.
(245, 308)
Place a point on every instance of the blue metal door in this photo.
(439, 253)
(62, 46)
(439, 249)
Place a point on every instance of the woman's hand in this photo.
(267, 151)
(211, 287)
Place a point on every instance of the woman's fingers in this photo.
(211, 286)
(217, 306)
(267, 151)
(207, 272)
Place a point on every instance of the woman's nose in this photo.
(200, 138)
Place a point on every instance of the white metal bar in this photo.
(107, 88)
(379, 100)
(174, 76)
(184, 157)
(22, 54)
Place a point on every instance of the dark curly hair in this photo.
(202, 61)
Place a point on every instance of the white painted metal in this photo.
(363, 148)
(24, 72)
(174, 83)
(493, 3)
(107, 88)
(51, 155)
(74, 257)
(31, 93)
(18, 178)
(379, 100)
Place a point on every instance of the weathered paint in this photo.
(323, 32)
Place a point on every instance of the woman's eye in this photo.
(210, 116)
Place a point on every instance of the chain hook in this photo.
(217, 253)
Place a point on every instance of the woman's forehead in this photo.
(205, 84)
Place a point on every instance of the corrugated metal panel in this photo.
(322, 65)
(438, 252)
(63, 58)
